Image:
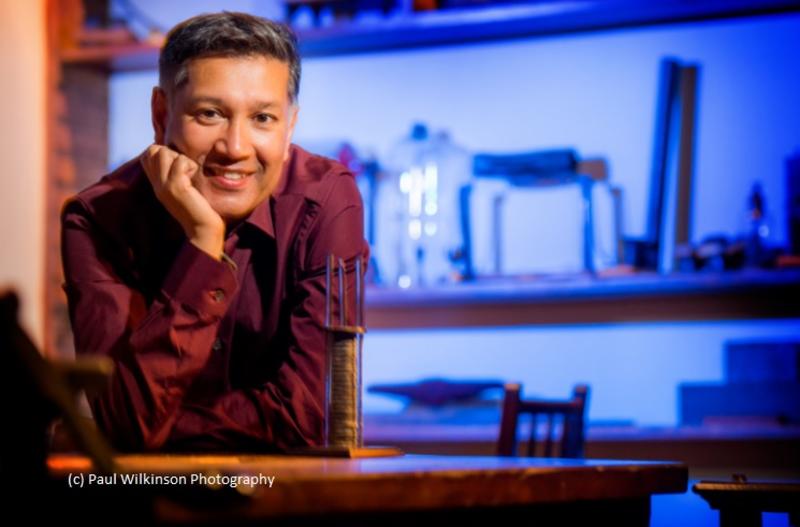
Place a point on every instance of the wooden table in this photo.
(377, 491)
(741, 502)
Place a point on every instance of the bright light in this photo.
(405, 182)
(414, 229)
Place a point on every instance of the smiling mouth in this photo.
(227, 178)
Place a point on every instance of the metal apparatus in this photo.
(343, 419)
(345, 334)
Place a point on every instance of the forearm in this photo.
(158, 346)
(287, 409)
(262, 419)
(154, 367)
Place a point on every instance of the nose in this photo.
(235, 142)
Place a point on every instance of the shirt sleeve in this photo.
(289, 410)
(158, 348)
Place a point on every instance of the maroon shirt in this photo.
(209, 357)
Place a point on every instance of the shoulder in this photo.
(323, 181)
(115, 188)
(116, 201)
(331, 217)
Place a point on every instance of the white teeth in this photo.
(232, 176)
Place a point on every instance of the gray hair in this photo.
(226, 34)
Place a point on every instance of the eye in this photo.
(264, 118)
(207, 115)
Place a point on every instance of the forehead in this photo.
(237, 79)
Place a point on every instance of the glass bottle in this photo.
(418, 226)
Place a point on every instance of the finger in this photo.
(164, 161)
(146, 157)
(198, 172)
(150, 152)
(180, 173)
(188, 166)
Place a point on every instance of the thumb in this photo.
(188, 166)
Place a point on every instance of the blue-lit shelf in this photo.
(518, 21)
(766, 446)
(583, 299)
(450, 27)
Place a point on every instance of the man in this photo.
(199, 267)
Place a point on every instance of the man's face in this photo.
(234, 118)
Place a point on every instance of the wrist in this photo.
(210, 240)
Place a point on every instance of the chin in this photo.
(232, 216)
(231, 210)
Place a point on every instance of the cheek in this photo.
(175, 133)
(280, 146)
(193, 139)
(176, 127)
(269, 149)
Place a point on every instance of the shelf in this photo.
(451, 27)
(118, 58)
(755, 448)
(522, 21)
(584, 299)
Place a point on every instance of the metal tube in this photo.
(328, 266)
(359, 292)
(342, 288)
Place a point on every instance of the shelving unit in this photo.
(78, 119)
(736, 295)
(534, 19)
(462, 26)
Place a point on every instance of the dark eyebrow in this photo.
(260, 105)
(211, 100)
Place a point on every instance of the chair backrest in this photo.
(569, 414)
(49, 390)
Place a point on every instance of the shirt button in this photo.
(218, 295)
(217, 345)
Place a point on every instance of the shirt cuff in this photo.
(200, 282)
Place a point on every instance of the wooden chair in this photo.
(570, 414)
(36, 390)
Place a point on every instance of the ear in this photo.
(159, 112)
(290, 132)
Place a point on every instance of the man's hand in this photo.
(170, 173)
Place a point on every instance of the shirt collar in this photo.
(261, 217)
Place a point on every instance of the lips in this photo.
(226, 178)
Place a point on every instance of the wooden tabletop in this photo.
(310, 485)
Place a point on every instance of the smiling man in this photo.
(198, 268)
